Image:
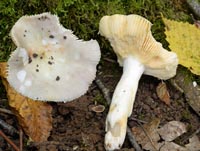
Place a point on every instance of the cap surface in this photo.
(131, 35)
(50, 63)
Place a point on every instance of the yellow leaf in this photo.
(33, 116)
(184, 40)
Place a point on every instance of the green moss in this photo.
(189, 77)
(83, 16)
(186, 115)
(141, 116)
(100, 99)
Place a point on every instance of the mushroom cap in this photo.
(50, 63)
(131, 35)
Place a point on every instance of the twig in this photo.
(196, 132)
(104, 90)
(35, 144)
(6, 111)
(138, 120)
(4, 100)
(9, 141)
(11, 129)
(20, 139)
(190, 136)
(175, 85)
(109, 60)
(148, 136)
(106, 94)
(132, 139)
(108, 76)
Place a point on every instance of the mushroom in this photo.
(50, 63)
(138, 52)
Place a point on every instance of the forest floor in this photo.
(77, 127)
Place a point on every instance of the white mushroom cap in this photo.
(131, 35)
(50, 63)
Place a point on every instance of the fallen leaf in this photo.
(171, 146)
(194, 144)
(183, 39)
(172, 130)
(148, 136)
(33, 116)
(163, 93)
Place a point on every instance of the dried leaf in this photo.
(194, 144)
(163, 93)
(170, 146)
(33, 116)
(172, 130)
(148, 136)
(183, 39)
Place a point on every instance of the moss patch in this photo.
(83, 16)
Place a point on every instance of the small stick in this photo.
(11, 129)
(104, 90)
(138, 120)
(6, 111)
(35, 144)
(106, 94)
(175, 85)
(20, 139)
(4, 100)
(110, 60)
(190, 136)
(132, 139)
(9, 141)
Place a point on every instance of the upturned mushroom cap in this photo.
(131, 35)
(50, 63)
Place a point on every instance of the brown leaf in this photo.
(147, 135)
(172, 130)
(163, 93)
(171, 146)
(194, 143)
(33, 116)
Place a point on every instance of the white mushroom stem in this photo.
(122, 103)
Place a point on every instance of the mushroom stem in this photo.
(122, 103)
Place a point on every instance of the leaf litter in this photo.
(153, 138)
(34, 117)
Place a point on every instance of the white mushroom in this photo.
(138, 53)
(50, 63)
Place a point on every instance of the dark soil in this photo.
(76, 127)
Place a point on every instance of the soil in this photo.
(76, 127)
